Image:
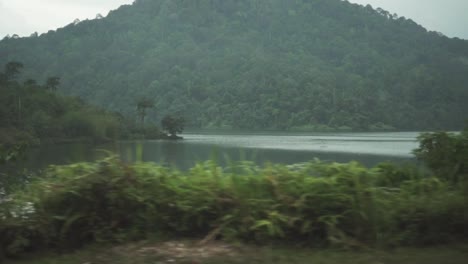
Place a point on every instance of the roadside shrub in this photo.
(446, 154)
(321, 204)
(20, 229)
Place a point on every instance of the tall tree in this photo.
(11, 72)
(52, 83)
(142, 105)
(445, 153)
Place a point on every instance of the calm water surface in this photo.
(286, 148)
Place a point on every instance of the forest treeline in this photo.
(31, 111)
(277, 64)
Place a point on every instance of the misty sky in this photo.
(24, 17)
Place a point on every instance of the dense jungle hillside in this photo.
(31, 112)
(273, 64)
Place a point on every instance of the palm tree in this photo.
(142, 105)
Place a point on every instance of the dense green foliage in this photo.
(315, 204)
(277, 64)
(30, 112)
(172, 125)
(445, 153)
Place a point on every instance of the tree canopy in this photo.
(172, 125)
(275, 64)
(445, 153)
(30, 112)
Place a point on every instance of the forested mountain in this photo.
(258, 64)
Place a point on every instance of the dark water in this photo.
(367, 148)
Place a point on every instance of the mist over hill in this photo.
(253, 64)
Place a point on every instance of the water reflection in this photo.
(367, 148)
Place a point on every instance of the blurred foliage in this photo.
(278, 64)
(445, 153)
(315, 204)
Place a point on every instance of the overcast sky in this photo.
(24, 17)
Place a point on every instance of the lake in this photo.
(286, 148)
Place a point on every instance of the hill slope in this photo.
(273, 64)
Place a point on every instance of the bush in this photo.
(445, 153)
(315, 204)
